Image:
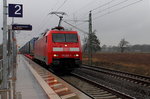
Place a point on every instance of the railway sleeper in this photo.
(101, 94)
(104, 92)
(95, 91)
(106, 97)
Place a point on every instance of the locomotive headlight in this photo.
(55, 55)
(76, 55)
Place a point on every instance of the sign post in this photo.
(14, 10)
(5, 63)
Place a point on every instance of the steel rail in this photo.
(143, 80)
(132, 74)
(108, 89)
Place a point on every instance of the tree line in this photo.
(123, 46)
(130, 48)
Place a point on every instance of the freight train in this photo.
(58, 48)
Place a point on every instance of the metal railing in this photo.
(9, 92)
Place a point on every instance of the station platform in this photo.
(30, 83)
(26, 84)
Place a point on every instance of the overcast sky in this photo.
(112, 19)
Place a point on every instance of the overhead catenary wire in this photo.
(45, 17)
(117, 9)
(40, 26)
(42, 23)
(80, 20)
(113, 10)
(95, 9)
(103, 5)
(111, 7)
(76, 20)
(62, 5)
(54, 5)
(75, 27)
(83, 7)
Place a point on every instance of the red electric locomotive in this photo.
(59, 49)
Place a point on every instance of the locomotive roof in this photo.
(59, 31)
(56, 30)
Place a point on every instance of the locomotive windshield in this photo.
(58, 38)
(65, 37)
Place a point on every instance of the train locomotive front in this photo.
(59, 49)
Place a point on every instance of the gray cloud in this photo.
(131, 23)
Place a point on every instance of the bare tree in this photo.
(123, 44)
(104, 48)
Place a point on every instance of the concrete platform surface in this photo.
(26, 84)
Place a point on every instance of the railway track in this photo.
(134, 78)
(103, 83)
(133, 87)
(93, 89)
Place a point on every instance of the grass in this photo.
(138, 63)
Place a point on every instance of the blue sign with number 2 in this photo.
(15, 10)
